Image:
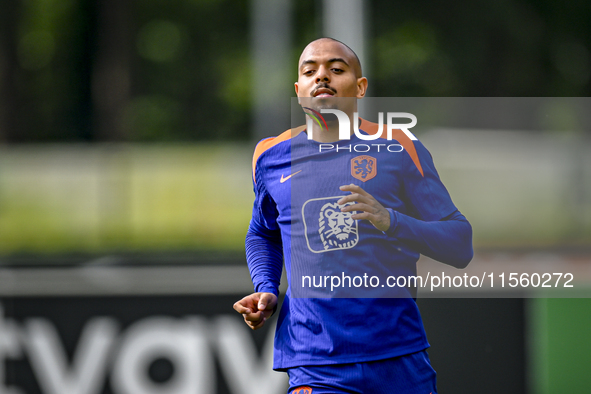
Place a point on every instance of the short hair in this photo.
(346, 46)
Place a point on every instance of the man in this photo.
(350, 213)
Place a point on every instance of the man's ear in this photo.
(361, 87)
(297, 89)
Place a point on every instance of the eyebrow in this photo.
(333, 60)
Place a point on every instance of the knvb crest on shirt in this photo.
(326, 227)
(302, 390)
(364, 167)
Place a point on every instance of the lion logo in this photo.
(327, 228)
(364, 167)
(336, 228)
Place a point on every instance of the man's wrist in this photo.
(266, 289)
(393, 222)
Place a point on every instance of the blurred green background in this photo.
(129, 126)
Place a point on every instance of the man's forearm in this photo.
(448, 240)
(264, 255)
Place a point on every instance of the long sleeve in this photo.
(431, 225)
(448, 240)
(264, 248)
(264, 256)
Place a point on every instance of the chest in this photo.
(318, 175)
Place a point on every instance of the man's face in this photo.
(328, 69)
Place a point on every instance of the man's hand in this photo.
(256, 308)
(371, 209)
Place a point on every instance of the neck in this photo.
(320, 133)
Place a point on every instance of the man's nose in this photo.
(322, 75)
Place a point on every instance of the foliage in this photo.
(179, 70)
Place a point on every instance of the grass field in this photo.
(516, 190)
(80, 198)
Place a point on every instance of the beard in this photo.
(319, 103)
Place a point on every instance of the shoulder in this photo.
(269, 144)
(416, 151)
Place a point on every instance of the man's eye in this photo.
(337, 70)
(308, 72)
